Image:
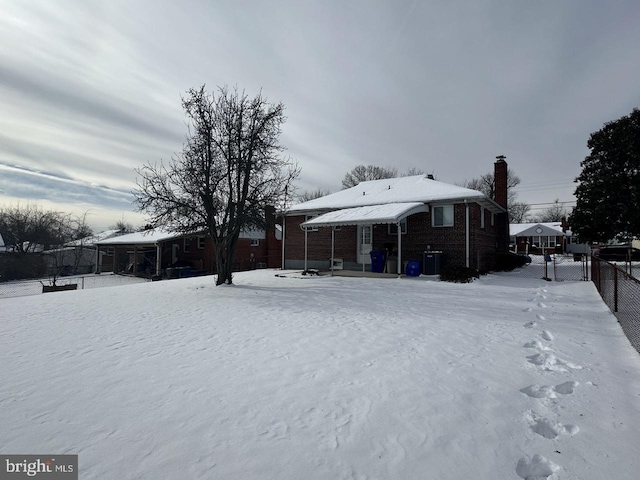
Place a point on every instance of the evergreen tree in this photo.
(608, 193)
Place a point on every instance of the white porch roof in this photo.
(367, 215)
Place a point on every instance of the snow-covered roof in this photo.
(152, 237)
(416, 188)
(94, 239)
(531, 229)
(145, 237)
(388, 213)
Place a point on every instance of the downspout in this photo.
(333, 242)
(284, 221)
(467, 235)
(399, 266)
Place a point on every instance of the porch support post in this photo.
(283, 237)
(333, 242)
(135, 260)
(305, 248)
(399, 266)
(158, 259)
(467, 235)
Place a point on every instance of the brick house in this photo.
(405, 216)
(538, 237)
(172, 254)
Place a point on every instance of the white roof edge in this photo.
(367, 215)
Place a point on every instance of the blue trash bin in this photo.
(413, 269)
(377, 261)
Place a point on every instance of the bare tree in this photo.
(123, 226)
(29, 228)
(554, 213)
(364, 173)
(518, 212)
(229, 169)
(486, 185)
(312, 195)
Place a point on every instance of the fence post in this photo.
(615, 289)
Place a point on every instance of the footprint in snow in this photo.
(551, 429)
(536, 468)
(549, 391)
(542, 305)
(528, 309)
(546, 334)
(541, 317)
(530, 324)
(550, 362)
(535, 344)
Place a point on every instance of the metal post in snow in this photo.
(333, 241)
(615, 288)
(305, 248)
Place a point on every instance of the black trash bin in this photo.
(432, 263)
(377, 261)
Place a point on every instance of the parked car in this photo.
(618, 253)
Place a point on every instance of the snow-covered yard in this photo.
(323, 378)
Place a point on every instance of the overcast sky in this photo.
(91, 89)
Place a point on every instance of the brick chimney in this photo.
(500, 197)
(500, 181)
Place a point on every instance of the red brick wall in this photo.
(420, 233)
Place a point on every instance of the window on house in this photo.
(310, 229)
(255, 242)
(393, 228)
(543, 241)
(201, 243)
(481, 217)
(110, 251)
(186, 245)
(442, 216)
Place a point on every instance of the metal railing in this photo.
(621, 292)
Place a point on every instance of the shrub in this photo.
(458, 274)
(505, 262)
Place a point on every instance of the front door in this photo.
(364, 244)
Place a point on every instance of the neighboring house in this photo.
(161, 252)
(537, 237)
(404, 216)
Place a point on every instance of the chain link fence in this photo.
(21, 288)
(557, 268)
(621, 292)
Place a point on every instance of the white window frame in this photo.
(443, 207)
(186, 244)
(201, 240)
(255, 242)
(392, 228)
